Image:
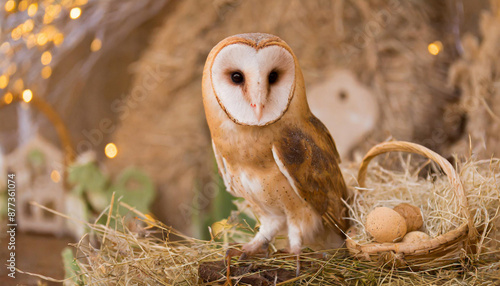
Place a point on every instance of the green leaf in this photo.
(71, 268)
(135, 188)
(87, 177)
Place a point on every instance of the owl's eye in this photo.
(237, 77)
(273, 77)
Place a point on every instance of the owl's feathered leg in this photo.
(270, 226)
(295, 240)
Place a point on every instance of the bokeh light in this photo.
(435, 47)
(110, 150)
(55, 176)
(46, 58)
(8, 97)
(75, 13)
(12, 69)
(5, 47)
(41, 39)
(16, 33)
(27, 95)
(23, 5)
(32, 9)
(95, 45)
(4, 81)
(10, 5)
(30, 41)
(58, 39)
(46, 72)
(28, 26)
(18, 85)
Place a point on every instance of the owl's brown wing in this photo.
(308, 158)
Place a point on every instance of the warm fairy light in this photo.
(46, 72)
(95, 45)
(4, 81)
(75, 13)
(41, 39)
(50, 31)
(12, 69)
(110, 150)
(58, 39)
(27, 95)
(10, 5)
(435, 47)
(47, 18)
(55, 176)
(46, 58)
(23, 5)
(5, 47)
(8, 98)
(32, 9)
(30, 41)
(28, 26)
(51, 12)
(16, 33)
(18, 85)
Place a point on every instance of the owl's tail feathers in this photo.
(337, 223)
(334, 235)
(337, 212)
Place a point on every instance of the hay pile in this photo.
(476, 75)
(148, 253)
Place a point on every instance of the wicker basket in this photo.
(441, 248)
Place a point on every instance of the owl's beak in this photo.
(260, 100)
(258, 111)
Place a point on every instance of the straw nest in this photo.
(453, 211)
(145, 252)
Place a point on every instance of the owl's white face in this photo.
(253, 86)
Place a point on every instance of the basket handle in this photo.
(403, 146)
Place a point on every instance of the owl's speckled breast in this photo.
(244, 146)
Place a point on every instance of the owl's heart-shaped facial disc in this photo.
(254, 86)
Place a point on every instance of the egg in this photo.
(385, 225)
(416, 236)
(412, 215)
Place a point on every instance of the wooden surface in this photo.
(34, 253)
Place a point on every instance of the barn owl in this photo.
(270, 149)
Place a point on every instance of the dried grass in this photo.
(147, 252)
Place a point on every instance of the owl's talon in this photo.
(230, 253)
(267, 253)
(243, 256)
(265, 249)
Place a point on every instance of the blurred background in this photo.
(104, 96)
